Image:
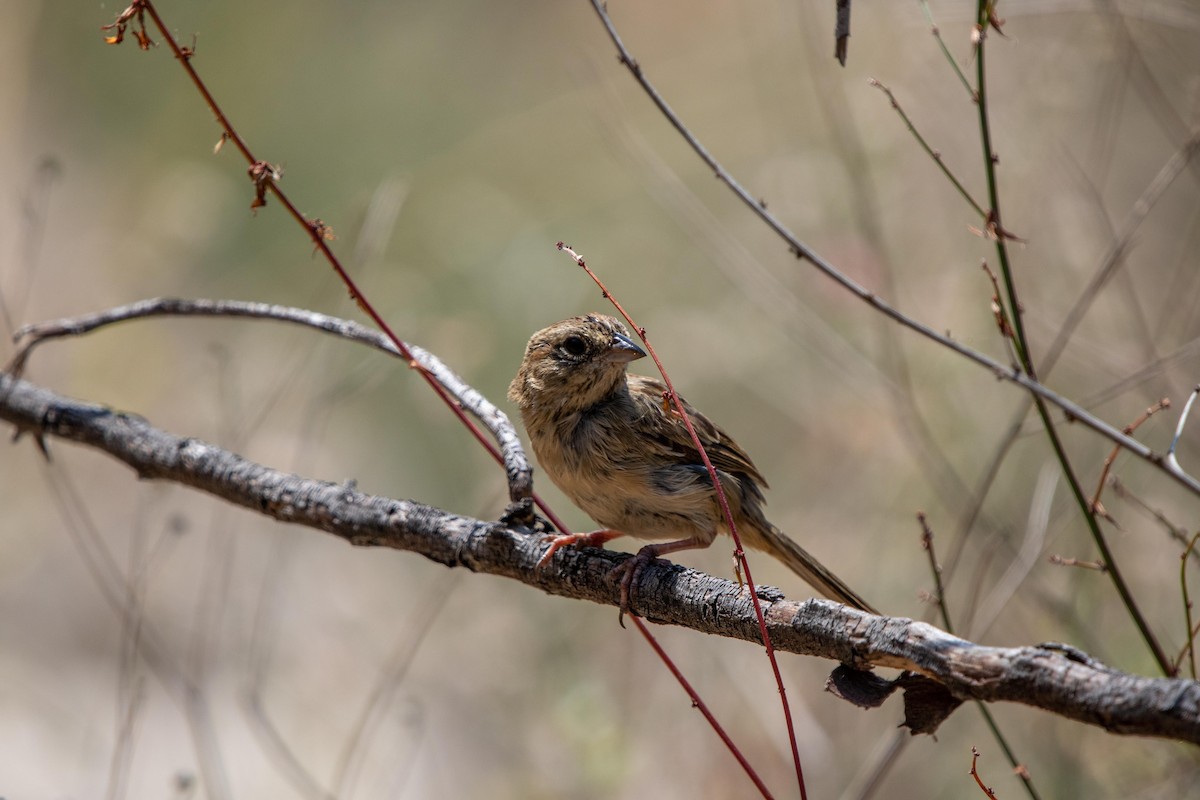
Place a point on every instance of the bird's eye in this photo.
(574, 345)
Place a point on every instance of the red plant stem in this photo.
(1162, 404)
(315, 232)
(739, 553)
(975, 774)
(700, 706)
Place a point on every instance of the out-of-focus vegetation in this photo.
(491, 131)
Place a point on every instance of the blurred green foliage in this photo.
(491, 131)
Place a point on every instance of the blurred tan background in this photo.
(450, 146)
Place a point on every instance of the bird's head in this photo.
(573, 364)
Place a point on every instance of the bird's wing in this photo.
(663, 424)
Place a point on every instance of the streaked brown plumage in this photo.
(611, 444)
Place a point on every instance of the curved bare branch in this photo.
(516, 464)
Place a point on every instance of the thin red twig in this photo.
(700, 705)
(1096, 506)
(265, 177)
(739, 552)
(975, 774)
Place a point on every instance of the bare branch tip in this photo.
(136, 10)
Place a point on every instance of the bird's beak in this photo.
(623, 350)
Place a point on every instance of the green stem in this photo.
(933, 27)
(1026, 359)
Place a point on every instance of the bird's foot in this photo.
(631, 570)
(633, 567)
(593, 539)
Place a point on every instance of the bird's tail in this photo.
(802, 562)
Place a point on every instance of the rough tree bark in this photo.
(941, 670)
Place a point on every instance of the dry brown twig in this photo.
(1098, 507)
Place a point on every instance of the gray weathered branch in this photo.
(516, 465)
(1052, 677)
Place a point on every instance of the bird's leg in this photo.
(593, 539)
(634, 566)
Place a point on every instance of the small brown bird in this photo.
(619, 451)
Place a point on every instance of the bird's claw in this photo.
(561, 540)
(556, 541)
(631, 570)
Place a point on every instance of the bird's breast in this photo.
(604, 465)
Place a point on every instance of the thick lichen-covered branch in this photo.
(940, 670)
